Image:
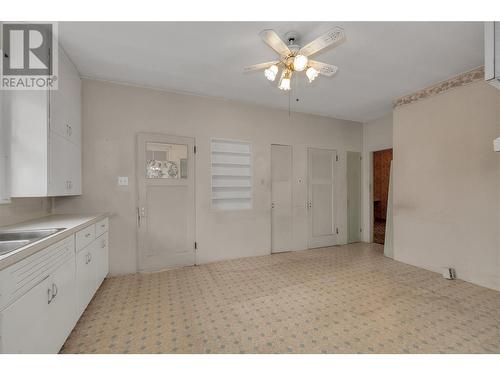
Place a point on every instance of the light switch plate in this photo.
(123, 181)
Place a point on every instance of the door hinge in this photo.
(336, 157)
(196, 245)
(337, 230)
(195, 149)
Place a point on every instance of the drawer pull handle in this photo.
(54, 291)
(50, 296)
(87, 235)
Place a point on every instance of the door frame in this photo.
(271, 193)
(360, 233)
(334, 200)
(145, 136)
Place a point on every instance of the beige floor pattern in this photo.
(342, 299)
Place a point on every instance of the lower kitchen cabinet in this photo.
(56, 284)
(86, 275)
(41, 320)
(103, 256)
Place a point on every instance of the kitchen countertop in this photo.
(72, 223)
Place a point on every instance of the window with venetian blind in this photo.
(231, 174)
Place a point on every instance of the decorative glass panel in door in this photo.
(166, 160)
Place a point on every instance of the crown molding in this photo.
(457, 81)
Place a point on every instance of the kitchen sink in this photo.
(11, 240)
(8, 246)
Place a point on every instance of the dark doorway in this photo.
(381, 170)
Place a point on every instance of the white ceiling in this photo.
(379, 61)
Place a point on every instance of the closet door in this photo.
(281, 198)
(321, 192)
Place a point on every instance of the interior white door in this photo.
(321, 197)
(281, 198)
(353, 165)
(166, 210)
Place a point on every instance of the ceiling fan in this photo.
(294, 58)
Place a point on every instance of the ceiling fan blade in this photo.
(272, 39)
(324, 69)
(260, 66)
(332, 36)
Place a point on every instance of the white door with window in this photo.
(321, 197)
(281, 198)
(166, 202)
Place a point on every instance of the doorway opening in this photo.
(381, 174)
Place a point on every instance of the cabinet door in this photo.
(26, 113)
(65, 166)
(65, 101)
(86, 275)
(102, 258)
(62, 308)
(75, 169)
(59, 165)
(25, 324)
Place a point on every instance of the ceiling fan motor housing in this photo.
(292, 37)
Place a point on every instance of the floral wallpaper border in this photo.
(457, 81)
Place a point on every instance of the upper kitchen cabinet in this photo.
(46, 137)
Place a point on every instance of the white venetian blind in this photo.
(231, 174)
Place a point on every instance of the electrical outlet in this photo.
(123, 181)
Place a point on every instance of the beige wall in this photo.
(112, 116)
(22, 209)
(377, 135)
(446, 183)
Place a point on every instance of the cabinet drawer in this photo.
(101, 227)
(85, 237)
(19, 278)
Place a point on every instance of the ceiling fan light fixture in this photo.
(295, 58)
(300, 63)
(285, 80)
(271, 72)
(311, 73)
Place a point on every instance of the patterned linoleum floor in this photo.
(346, 299)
